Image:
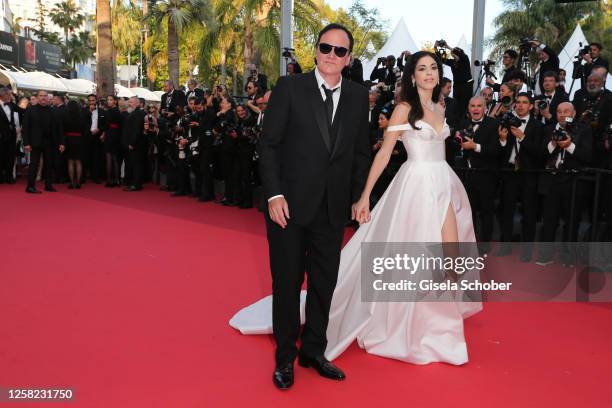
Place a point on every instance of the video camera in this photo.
(486, 67)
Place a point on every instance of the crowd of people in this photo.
(517, 145)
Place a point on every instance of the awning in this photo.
(79, 86)
(34, 81)
(146, 94)
(123, 92)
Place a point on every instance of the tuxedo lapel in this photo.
(340, 110)
(318, 109)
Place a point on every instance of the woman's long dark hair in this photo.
(409, 92)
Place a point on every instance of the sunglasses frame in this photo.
(334, 48)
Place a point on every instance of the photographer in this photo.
(549, 61)
(594, 108)
(354, 71)
(260, 79)
(546, 104)
(156, 131)
(248, 137)
(518, 79)
(185, 137)
(386, 73)
(253, 92)
(204, 178)
(225, 129)
(509, 62)
(134, 141)
(487, 94)
(462, 76)
(506, 101)
(170, 100)
(568, 146)
(479, 140)
(593, 59)
(451, 109)
(520, 136)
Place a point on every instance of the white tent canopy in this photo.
(79, 86)
(33, 81)
(399, 41)
(123, 92)
(566, 59)
(145, 94)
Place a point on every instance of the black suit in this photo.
(169, 101)
(320, 169)
(505, 78)
(521, 184)
(41, 133)
(197, 93)
(133, 135)
(558, 98)
(481, 184)
(551, 64)
(557, 187)
(588, 68)
(8, 143)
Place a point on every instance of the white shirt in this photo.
(94, 120)
(335, 97)
(512, 159)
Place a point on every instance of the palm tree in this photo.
(66, 16)
(105, 64)
(126, 28)
(79, 49)
(179, 15)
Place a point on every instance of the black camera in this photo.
(584, 50)
(509, 120)
(442, 43)
(287, 52)
(506, 101)
(561, 134)
(484, 63)
(188, 118)
(542, 104)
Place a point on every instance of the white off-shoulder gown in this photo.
(412, 209)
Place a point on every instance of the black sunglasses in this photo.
(326, 49)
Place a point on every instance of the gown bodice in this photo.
(424, 144)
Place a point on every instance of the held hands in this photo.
(279, 211)
(360, 211)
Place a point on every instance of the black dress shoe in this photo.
(323, 367)
(11, 180)
(178, 194)
(283, 377)
(204, 199)
(132, 188)
(32, 190)
(50, 188)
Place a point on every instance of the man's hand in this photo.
(535, 43)
(546, 112)
(360, 211)
(468, 144)
(518, 133)
(130, 147)
(27, 148)
(503, 133)
(62, 148)
(279, 211)
(587, 58)
(564, 144)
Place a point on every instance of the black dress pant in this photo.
(8, 153)
(183, 184)
(207, 188)
(244, 174)
(48, 154)
(314, 249)
(481, 193)
(520, 186)
(228, 165)
(136, 165)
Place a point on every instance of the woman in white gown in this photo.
(425, 202)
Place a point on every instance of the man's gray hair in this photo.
(482, 99)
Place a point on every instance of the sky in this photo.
(430, 20)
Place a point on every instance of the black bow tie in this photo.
(474, 122)
(523, 120)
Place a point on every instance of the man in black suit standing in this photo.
(193, 90)
(451, 109)
(41, 137)
(171, 99)
(521, 151)
(481, 152)
(509, 61)
(593, 59)
(552, 96)
(567, 146)
(135, 142)
(8, 136)
(549, 61)
(314, 158)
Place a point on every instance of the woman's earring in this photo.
(413, 82)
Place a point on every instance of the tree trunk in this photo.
(173, 54)
(145, 11)
(248, 47)
(105, 64)
(223, 66)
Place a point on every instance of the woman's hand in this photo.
(361, 211)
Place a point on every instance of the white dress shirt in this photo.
(94, 120)
(551, 148)
(512, 159)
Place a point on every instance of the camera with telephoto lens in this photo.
(462, 135)
(584, 50)
(509, 120)
(561, 134)
(542, 104)
(506, 101)
(525, 45)
(188, 118)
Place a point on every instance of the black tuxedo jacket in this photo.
(557, 99)
(39, 127)
(132, 129)
(581, 157)
(530, 151)
(296, 157)
(7, 124)
(197, 92)
(487, 137)
(177, 98)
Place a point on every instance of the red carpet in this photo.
(125, 297)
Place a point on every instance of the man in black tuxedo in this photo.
(41, 137)
(8, 137)
(135, 142)
(552, 96)
(549, 61)
(462, 78)
(193, 90)
(509, 61)
(314, 158)
(482, 152)
(567, 146)
(594, 59)
(171, 99)
(451, 109)
(521, 151)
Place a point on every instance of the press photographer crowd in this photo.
(520, 145)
